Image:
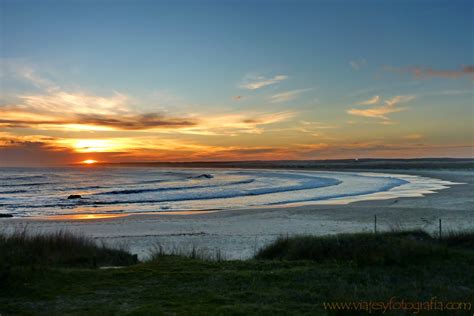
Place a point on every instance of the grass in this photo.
(158, 251)
(394, 248)
(292, 276)
(463, 239)
(60, 249)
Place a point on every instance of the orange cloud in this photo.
(233, 124)
(41, 150)
(260, 82)
(381, 112)
(374, 100)
(287, 95)
(426, 72)
(78, 111)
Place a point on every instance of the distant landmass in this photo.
(336, 164)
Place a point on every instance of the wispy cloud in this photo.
(358, 63)
(56, 109)
(374, 100)
(261, 81)
(381, 112)
(19, 69)
(233, 124)
(287, 95)
(427, 72)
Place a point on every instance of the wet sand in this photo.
(239, 233)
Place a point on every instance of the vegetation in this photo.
(309, 271)
(363, 249)
(60, 249)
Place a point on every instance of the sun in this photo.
(89, 161)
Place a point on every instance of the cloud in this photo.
(60, 110)
(79, 111)
(398, 99)
(63, 111)
(77, 103)
(426, 72)
(287, 95)
(42, 150)
(233, 124)
(19, 69)
(260, 82)
(381, 111)
(374, 100)
(357, 64)
(237, 97)
(135, 122)
(313, 128)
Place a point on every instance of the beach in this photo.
(238, 234)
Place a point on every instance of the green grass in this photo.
(179, 285)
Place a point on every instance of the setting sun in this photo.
(89, 161)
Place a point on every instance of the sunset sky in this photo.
(234, 80)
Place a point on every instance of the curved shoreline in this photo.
(239, 232)
(314, 188)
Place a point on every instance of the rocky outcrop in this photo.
(204, 176)
(74, 196)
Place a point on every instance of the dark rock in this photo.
(5, 215)
(74, 196)
(205, 176)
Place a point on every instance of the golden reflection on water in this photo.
(84, 216)
(105, 216)
(183, 212)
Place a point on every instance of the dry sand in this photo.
(239, 233)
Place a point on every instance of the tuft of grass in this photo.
(158, 252)
(59, 249)
(391, 248)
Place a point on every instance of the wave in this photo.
(21, 178)
(137, 191)
(126, 192)
(14, 191)
(394, 183)
(322, 182)
(26, 184)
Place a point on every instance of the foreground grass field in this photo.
(293, 276)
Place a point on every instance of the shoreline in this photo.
(414, 185)
(238, 233)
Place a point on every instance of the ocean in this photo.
(26, 192)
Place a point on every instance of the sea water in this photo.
(114, 190)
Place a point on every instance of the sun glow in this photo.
(89, 161)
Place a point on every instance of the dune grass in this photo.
(59, 249)
(392, 248)
(294, 275)
(158, 252)
(460, 239)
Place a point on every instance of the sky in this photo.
(229, 80)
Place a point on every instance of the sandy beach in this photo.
(237, 234)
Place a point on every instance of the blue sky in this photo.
(198, 59)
